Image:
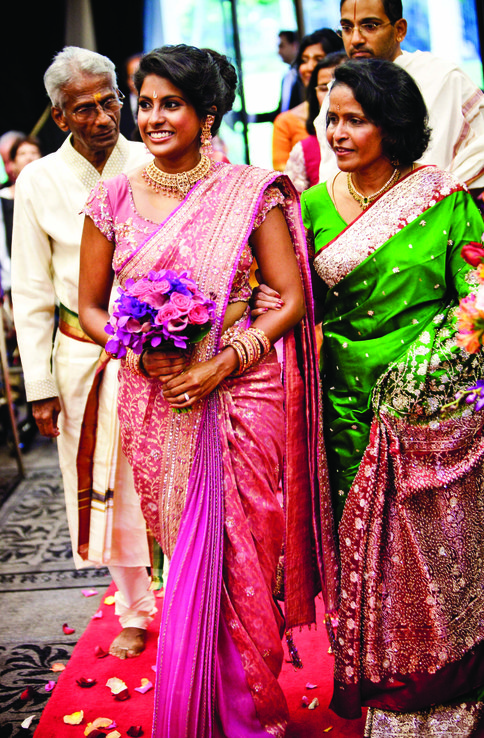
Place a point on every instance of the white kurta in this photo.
(50, 194)
(456, 116)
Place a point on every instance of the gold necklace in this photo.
(363, 201)
(179, 184)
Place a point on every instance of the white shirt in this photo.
(456, 116)
(50, 195)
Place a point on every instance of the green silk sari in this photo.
(407, 481)
(391, 273)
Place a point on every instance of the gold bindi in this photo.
(154, 95)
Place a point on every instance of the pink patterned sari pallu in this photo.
(208, 488)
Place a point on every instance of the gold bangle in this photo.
(249, 349)
(240, 351)
(261, 336)
(132, 362)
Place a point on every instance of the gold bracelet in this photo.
(261, 336)
(133, 363)
(242, 356)
(255, 344)
(248, 348)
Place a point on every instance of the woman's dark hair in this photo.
(329, 40)
(206, 77)
(330, 61)
(391, 100)
(18, 143)
(393, 9)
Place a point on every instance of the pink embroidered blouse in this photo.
(111, 207)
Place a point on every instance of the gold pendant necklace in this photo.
(176, 185)
(362, 200)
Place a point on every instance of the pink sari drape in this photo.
(208, 481)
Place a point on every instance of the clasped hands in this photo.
(184, 383)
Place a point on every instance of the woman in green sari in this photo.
(407, 481)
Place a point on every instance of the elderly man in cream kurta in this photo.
(48, 222)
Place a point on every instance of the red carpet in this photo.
(97, 701)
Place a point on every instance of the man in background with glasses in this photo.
(50, 194)
(375, 29)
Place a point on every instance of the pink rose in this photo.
(166, 313)
(182, 302)
(163, 286)
(153, 293)
(189, 284)
(198, 315)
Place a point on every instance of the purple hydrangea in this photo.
(163, 307)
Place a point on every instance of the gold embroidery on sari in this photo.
(393, 211)
(456, 721)
(220, 233)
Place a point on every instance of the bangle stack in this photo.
(250, 346)
(133, 363)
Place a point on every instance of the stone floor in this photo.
(39, 588)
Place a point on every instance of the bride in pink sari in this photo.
(208, 478)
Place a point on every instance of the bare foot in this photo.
(130, 642)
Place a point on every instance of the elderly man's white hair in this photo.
(69, 63)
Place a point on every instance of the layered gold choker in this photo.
(363, 201)
(176, 185)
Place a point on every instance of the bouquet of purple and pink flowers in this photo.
(162, 307)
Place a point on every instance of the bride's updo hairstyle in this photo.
(206, 77)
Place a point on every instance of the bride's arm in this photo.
(279, 270)
(95, 281)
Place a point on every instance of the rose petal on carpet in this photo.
(98, 701)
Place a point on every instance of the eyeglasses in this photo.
(366, 29)
(89, 112)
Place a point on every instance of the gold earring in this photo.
(206, 135)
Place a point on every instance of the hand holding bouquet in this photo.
(162, 309)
